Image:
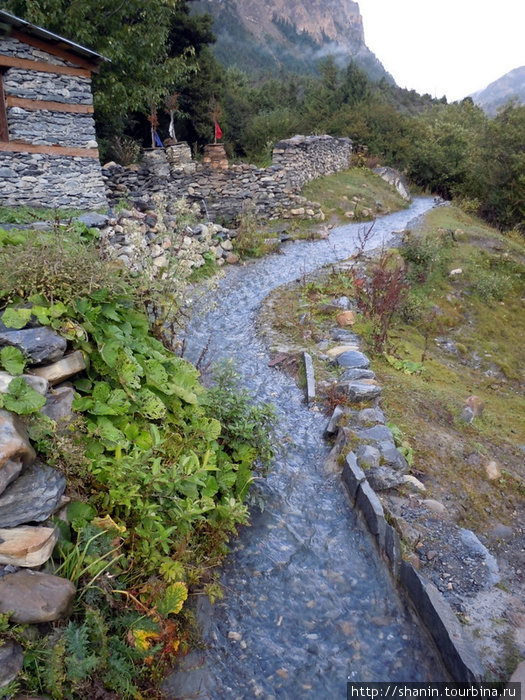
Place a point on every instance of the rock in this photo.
(310, 378)
(15, 448)
(63, 369)
(59, 404)
(473, 408)
(372, 510)
(11, 660)
(26, 545)
(35, 597)
(37, 383)
(346, 318)
(40, 345)
(368, 415)
(332, 427)
(368, 456)
(94, 220)
(502, 532)
(344, 336)
(358, 391)
(343, 303)
(434, 506)
(377, 432)
(231, 258)
(383, 478)
(351, 374)
(227, 245)
(340, 349)
(393, 457)
(459, 656)
(33, 497)
(411, 481)
(493, 470)
(456, 271)
(9, 472)
(353, 359)
(353, 475)
(519, 675)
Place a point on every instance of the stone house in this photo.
(48, 148)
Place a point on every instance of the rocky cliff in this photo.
(262, 35)
(509, 86)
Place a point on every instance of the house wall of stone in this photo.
(49, 179)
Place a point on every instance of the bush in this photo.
(56, 266)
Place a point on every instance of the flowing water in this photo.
(308, 603)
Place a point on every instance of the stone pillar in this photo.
(215, 157)
(179, 158)
(155, 162)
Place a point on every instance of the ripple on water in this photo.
(308, 603)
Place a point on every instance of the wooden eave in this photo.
(53, 44)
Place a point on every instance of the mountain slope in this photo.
(272, 35)
(499, 92)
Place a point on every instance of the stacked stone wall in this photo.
(225, 194)
(49, 173)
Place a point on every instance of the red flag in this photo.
(218, 131)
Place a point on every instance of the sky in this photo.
(446, 47)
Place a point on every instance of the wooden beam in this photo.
(11, 62)
(20, 147)
(4, 130)
(54, 50)
(34, 105)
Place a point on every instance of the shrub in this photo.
(56, 266)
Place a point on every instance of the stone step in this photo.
(26, 545)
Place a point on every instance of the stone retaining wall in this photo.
(270, 192)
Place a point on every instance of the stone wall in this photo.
(38, 85)
(50, 174)
(45, 127)
(35, 179)
(269, 193)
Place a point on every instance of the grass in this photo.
(29, 215)
(480, 312)
(357, 190)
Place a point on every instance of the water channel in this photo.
(308, 604)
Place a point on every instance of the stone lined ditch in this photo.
(308, 603)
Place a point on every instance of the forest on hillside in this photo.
(161, 59)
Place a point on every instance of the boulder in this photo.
(40, 345)
(11, 660)
(340, 349)
(33, 497)
(26, 545)
(63, 369)
(35, 597)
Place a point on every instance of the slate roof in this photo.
(34, 30)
